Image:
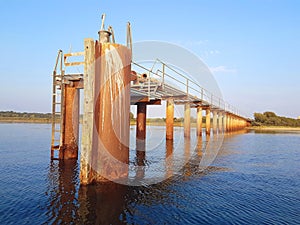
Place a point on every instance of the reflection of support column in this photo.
(141, 120)
(187, 120)
(102, 203)
(61, 191)
(199, 121)
(199, 147)
(140, 152)
(169, 158)
(207, 123)
(169, 119)
(215, 121)
(71, 124)
(140, 158)
(187, 155)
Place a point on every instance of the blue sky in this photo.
(252, 46)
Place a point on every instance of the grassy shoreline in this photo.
(22, 120)
(273, 128)
(132, 123)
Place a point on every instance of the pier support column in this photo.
(224, 122)
(220, 121)
(170, 119)
(215, 122)
(207, 122)
(71, 124)
(199, 121)
(228, 123)
(187, 120)
(234, 124)
(106, 127)
(141, 120)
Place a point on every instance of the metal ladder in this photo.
(57, 106)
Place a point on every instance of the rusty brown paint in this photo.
(215, 122)
(207, 123)
(199, 121)
(170, 119)
(141, 121)
(133, 76)
(112, 92)
(71, 124)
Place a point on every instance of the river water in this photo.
(253, 178)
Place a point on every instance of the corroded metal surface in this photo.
(112, 107)
(71, 124)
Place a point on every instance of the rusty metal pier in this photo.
(111, 82)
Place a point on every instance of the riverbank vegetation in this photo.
(266, 119)
(271, 119)
(24, 117)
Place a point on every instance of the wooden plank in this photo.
(74, 54)
(74, 63)
(88, 111)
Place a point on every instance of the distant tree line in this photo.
(12, 114)
(271, 119)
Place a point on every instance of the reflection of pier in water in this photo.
(112, 203)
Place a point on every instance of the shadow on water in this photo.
(112, 203)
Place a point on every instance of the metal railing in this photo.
(165, 76)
